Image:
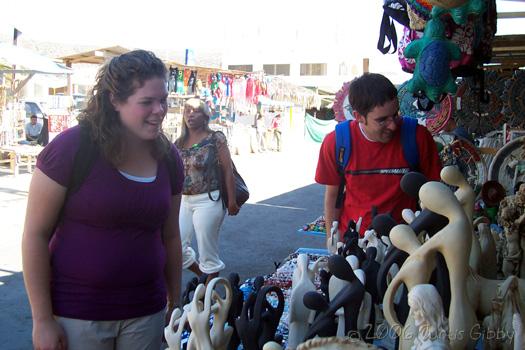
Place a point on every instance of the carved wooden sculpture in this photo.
(453, 242)
(235, 309)
(350, 298)
(178, 320)
(427, 311)
(299, 315)
(205, 302)
(511, 216)
(258, 327)
(466, 197)
(489, 266)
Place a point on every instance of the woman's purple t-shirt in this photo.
(107, 255)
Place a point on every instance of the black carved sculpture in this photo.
(349, 298)
(258, 327)
(235, 309)
(371, 268)
(187, 295)
(324, 277)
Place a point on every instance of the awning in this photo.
(28, 61)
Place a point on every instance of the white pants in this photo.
(203, 217)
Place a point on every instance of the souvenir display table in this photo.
(20, 155)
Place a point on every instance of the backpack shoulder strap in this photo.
(343, 145)
(408, 140)
(83, 161)
(172, 169)
(343, 148)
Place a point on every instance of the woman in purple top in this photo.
(102, 276)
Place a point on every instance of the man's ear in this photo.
(114, 102)
(359, 117)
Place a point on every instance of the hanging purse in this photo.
(241, 190)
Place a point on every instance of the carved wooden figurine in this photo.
(427, 311)
(299, 315)
(453, 242)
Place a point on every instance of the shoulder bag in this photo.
(241, 190)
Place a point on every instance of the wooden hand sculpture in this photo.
(178, 320)
(220, 333)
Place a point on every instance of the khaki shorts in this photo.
(135, 333)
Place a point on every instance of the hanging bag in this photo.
(241, 190)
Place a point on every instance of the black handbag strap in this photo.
(214, 165)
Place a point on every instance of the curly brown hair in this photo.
(119, 79)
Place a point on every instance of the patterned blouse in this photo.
(201, 166)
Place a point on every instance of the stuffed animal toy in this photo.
(433, 53)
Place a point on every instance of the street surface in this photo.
(283, 198)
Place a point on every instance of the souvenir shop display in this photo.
(514, 99)
(479, 103)
(342, 108)
(433, 53)
(435, 119)
(459, 151)
(508, 165)
(315, 227)
(511, 215)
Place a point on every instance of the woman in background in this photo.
(206, 158)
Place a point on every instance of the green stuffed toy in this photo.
(433, 53)
(460, 14)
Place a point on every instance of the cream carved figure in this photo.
(467, 197)
(517, 325)
(499, 324)
(427, 311)
(511, 216)
(178, 320)
(335, 343)
(453, 242)
(370, 239)
(205, 302)
(299, 316)
(489, 266)
(333, 238)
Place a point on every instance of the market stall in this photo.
(452, 277)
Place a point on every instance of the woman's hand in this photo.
(49, 335)
(233, 208)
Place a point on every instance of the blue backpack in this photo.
(343, 149)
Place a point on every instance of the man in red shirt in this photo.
(377, 162)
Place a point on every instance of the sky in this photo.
(196, 24)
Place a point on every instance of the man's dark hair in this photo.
(369, 91)
(34, 116)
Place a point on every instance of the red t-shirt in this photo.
(364, 190)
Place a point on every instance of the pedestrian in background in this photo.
(276, 130)
(206, 159)
(101, 263)
(260, 129)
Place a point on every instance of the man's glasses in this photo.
(384, 121)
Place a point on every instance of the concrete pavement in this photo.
(283, 198)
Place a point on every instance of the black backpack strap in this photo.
(82, 163)
(172, 170)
